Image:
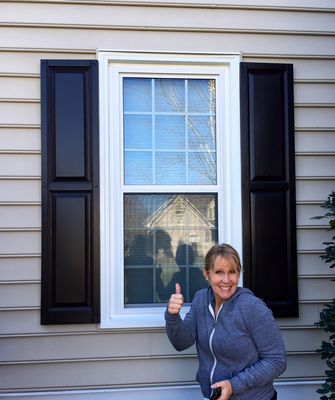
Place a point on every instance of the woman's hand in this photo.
(226, 389)
(176, 301)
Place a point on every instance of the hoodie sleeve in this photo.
(181, 333)
(271, 362)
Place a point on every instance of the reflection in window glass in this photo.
(169, 95)
(175, 116)
(140, 162)
(170, 132)
(137, 95)
(170, 167)
(138, 128)
(166, 238)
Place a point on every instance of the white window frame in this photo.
(112, 66)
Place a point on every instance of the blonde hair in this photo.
(222, 250)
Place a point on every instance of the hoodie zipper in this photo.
(211, 339)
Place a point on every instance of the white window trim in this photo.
(112, 65)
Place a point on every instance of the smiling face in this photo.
(223, 277)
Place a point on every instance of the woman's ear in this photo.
(206, 274)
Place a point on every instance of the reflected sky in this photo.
(169, 131)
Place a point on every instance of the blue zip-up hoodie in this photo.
(243, 344)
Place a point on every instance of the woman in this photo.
(239, 346)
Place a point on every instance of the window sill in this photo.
(143, 318)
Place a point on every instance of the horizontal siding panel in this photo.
(312, 339)
(316, 289)
(165, 40)
(315, 141)
(20, 216)
(306, 66)
(20, 139)
(279, 5)
(304, 366)
(305, 212)
(123, 372)
(159, 345)
(27, 60)
(80, 346)
(312, 239)
(312, 68)
(28, 322)
(84, 346)
(315, 165)
(97, 373)
(313, 189)
(20, 165)
(314, 92)
(181, 17)
(16, 242)
(314, 117)
(20, 190)
(19, 87)
(23, 268)
(312, 264)
(20, 113)
(308, 315)
(20, 295)
(16, 322)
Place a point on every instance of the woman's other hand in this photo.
(176, 301)
(226, 389)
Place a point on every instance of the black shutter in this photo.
(268, 185)
(70, 197)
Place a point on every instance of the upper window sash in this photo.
(169, 130)
(113, 68)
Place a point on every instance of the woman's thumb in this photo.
(178, 288)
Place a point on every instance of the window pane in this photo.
(202, 168)
(172, 119)
(137, 95)
(166, 238)
(201, 95)
(170, 132)
(137, 132)
(138, 166)
(201, 133)
(170, 95)
(170, 168)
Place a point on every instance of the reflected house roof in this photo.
(197, 208)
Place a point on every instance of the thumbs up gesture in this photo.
(176, 301)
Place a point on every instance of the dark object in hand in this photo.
(216, 393)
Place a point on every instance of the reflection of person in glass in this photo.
(138, 279)
(185, 256)
(239, 346)
(164, 261)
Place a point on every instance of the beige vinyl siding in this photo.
(33, 356)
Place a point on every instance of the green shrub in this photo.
(327, 315)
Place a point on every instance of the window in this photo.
(169, 175)
(196, 211)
